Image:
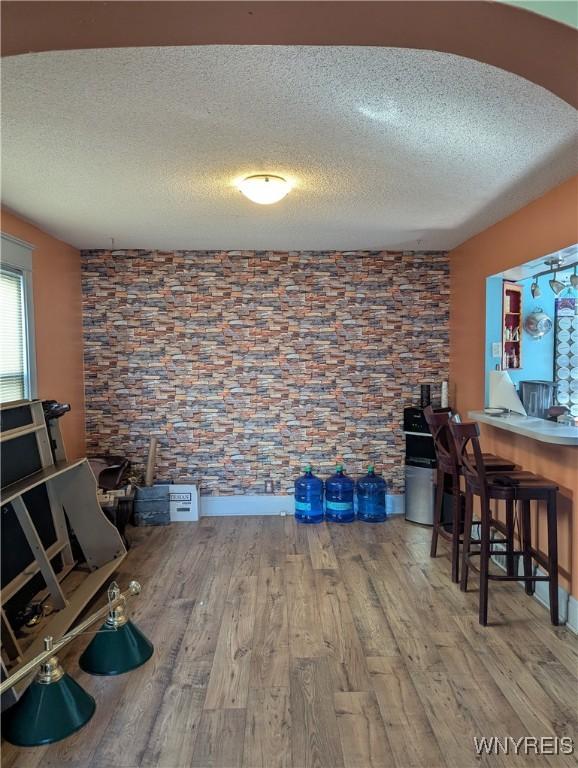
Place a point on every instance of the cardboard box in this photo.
(183, 502)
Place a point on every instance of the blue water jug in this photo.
(308, 497)
(339, 497)
(371, 491)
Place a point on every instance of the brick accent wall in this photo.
(248, 364)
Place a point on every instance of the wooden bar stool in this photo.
(448, 464)
(514, 488)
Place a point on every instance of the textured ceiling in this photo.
(387, 147)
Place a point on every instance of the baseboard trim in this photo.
(256, 504)
(270, 504)
(572, 620)
(395, 503)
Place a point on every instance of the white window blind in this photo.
(13, 351)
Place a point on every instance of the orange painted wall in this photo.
(58, 323)
(544, 226)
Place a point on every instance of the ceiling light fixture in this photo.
(265, 189)
(554, 263)
(535, 288)
(556, 285)
(574, 279)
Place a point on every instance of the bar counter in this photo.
(529, 426)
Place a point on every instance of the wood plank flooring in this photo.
(286, 646)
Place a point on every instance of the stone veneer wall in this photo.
(248, 364)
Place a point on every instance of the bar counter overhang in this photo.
(538, 429)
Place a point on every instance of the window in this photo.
(17, 368)
(13, 373)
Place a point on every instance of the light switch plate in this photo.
(496, 349)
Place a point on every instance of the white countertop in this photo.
(529, 426)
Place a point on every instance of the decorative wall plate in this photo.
(566, 352)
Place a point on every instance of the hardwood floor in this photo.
(285, 646)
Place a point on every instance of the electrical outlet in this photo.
(268, 486)
(496, 349)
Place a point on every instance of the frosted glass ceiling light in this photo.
(264, 188)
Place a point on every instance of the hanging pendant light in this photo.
(118, 646)
(556, 285)
(535, 289)
(265, 189)
(53, 707)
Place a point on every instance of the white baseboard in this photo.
(257, 504)
(572, 620)
(395, 503)
(270, 504)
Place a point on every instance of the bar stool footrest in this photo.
(498, 577)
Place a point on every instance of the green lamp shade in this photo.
(114, 651)
(47, 712)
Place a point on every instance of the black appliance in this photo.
(421, 470)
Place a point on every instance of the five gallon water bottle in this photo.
(308, 497)
(339, 497)
(371, 491)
